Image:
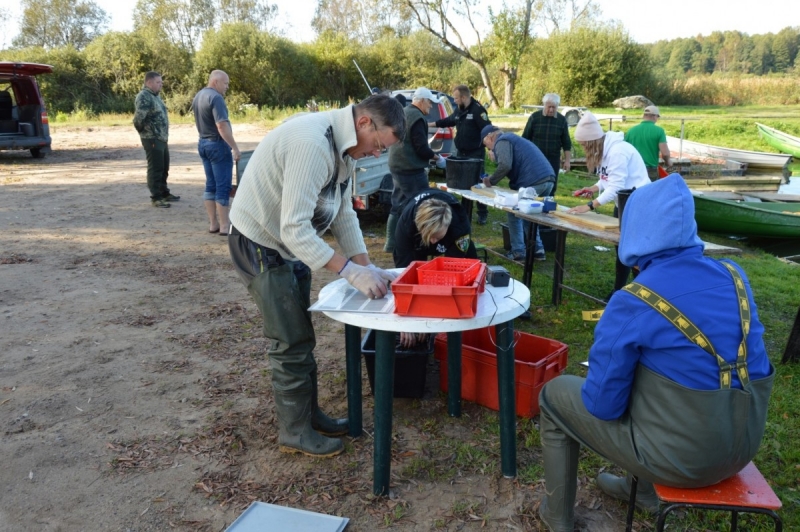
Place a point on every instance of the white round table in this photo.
(497, 306)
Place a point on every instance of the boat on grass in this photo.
(754, 159)
(779, 140)
(716, 214)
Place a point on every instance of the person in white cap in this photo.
(409, 160)
(650, 141)
(618, 166)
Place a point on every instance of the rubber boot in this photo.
(224, 220)
(557, 509)
(391, 226)
(620, 488)
(211, 211)
(321, 422)
(295, 434)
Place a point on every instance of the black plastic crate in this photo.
(548, 236)
(410, 367)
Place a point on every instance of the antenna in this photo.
(369, 88)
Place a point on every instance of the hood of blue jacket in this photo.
(657, 218)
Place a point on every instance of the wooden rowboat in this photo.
(779, 140)
(754, 159)
(746, 218)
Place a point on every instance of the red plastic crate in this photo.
(536, 361)
(431, 301)
(446, 271)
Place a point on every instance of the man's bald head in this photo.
(219, 81)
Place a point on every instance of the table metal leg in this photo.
(454, 373)
(558, 267)
(384, 394)
(530, 247)
(507, 391)
(352, 342)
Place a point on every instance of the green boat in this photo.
(746, 218)
(779, 140)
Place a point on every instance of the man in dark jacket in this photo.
(469, 119)
(548, 129)
(525, 166)
(679, 378)
(409, 160)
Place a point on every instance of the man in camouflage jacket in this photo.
(152, 123)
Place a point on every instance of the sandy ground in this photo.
(134, 388)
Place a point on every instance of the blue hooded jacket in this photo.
(659, 234)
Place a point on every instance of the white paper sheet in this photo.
(351, 300)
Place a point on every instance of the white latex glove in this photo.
(366, 280)
(441, 162)
(385, 274)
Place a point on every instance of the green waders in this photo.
(283, 301)
(391, 227)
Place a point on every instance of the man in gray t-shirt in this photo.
(215, 145)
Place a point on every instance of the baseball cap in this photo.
(423, 93)
(488, 129)
(651, 110)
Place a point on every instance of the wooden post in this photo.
(792, 351)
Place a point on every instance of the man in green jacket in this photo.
(650, 141)
(152, 123)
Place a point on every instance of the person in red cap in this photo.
(650, 141)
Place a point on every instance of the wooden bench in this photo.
(745, 492)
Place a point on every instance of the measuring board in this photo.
(589, 219)
(483, 191)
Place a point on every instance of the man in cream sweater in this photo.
(295, 188)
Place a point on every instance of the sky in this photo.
(646, 20)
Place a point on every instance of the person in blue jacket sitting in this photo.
(679, 379)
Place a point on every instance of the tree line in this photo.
(403, 44)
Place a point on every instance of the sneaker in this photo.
(482, 219)
(172, 197)
(161, 202)
(519, 257)
(539, 256)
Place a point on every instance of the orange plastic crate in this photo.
(446, 271)
(536, 361)
(435, 301)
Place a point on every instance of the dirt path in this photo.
(133, 386)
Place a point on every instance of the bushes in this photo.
(586, 66)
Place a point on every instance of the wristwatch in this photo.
(591, 205)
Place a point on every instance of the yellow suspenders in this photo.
(694, 334)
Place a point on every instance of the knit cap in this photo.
(588, 128)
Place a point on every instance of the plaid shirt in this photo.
(549, 133)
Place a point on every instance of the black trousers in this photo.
(157, 154)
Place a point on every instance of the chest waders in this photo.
(693, 438)
(670, 434)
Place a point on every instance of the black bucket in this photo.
(463, 173)
(622, 199)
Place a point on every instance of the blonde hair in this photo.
(594, 152)
(432, 216)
